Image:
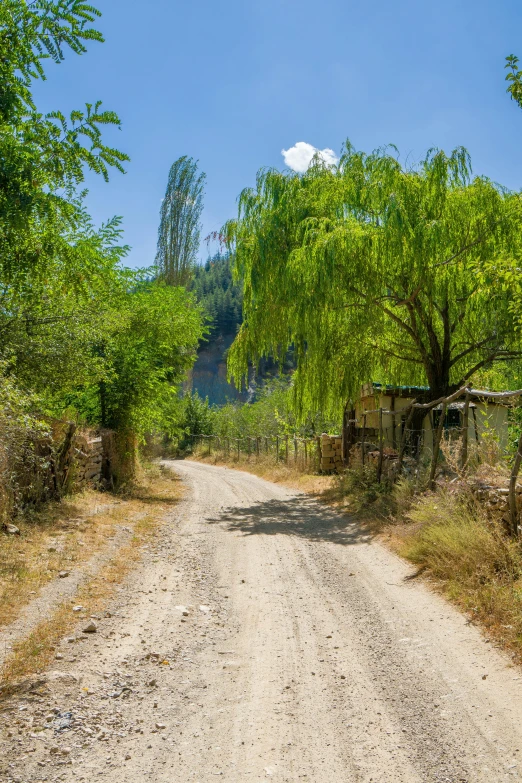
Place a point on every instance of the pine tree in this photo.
(179, 231)
(219, 294)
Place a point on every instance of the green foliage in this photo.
(195, 417)
(219, 294)
(44, 156)
(371, 271)
(179, 231)
(93, 340)
(49, 323)
(150, 342)
(35, 31)
(514, 77)
(360, 485)
(271, 414)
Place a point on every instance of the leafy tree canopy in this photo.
(514, 77)
(44, 157)
(375, 271)
(179, 230)
(153, 344)
(50, 322)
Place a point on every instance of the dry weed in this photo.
(142, 513)
(471, 558)
(294, 475)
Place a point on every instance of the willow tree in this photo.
(179, 231)
(373, 271)
(514, 77)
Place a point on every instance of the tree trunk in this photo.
(439, 387)
(63, 459)
(121, 457)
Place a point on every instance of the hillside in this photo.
(223, 302)
(222, 299)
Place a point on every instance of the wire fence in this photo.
(413, 440)
(302, 453)
(408, 442)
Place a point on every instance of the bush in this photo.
(360, 484)
(479, 566)
(196, 418)
(25, 451)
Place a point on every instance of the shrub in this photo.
(25, 451)
(478, 565)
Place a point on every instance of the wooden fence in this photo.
(304, 453)
(407, 414)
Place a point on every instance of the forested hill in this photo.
(222, 299)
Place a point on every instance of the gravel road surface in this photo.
(265, 636)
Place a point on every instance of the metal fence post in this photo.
(381, 448)
(465, 426)
(436, 447)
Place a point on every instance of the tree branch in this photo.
(470, 349)
(491, 358)
(464, 249)
(388, 352)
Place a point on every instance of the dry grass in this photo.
(471, 559)
(56, 538)
(142, 512)
(294, 476)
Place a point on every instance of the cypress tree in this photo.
(179, 231)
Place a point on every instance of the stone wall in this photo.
(495, 500)
(87, 460)
(331, 453)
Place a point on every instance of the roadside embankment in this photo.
(65, 562)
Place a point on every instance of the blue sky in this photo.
(234, 83)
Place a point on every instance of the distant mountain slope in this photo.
(222, 299)
(219, 294)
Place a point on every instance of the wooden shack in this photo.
(485, 416)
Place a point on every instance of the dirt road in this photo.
(266, 637)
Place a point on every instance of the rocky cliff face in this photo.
(222, 299)
(209, 374)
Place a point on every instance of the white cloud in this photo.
(300, 156)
